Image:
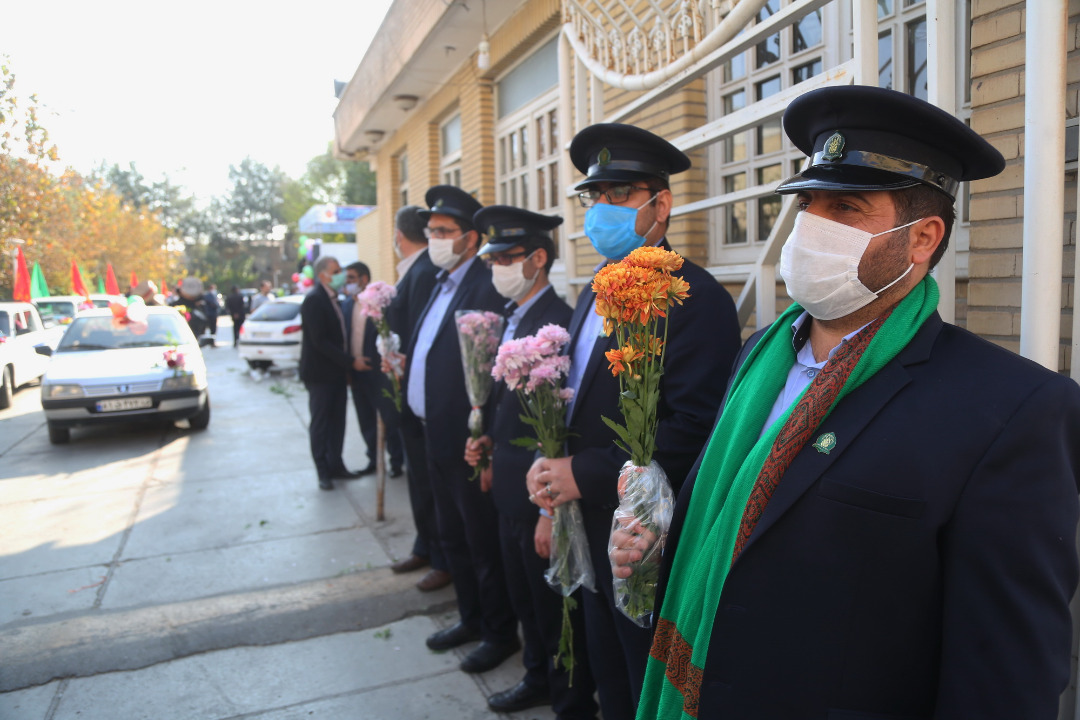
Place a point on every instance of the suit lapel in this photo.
(847, 421)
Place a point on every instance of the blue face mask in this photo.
(612, 229)
(337, 280)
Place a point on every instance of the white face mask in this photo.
(510, 281)
(820, 266)
(442, 252)
(352, 288)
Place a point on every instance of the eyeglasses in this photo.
(506, 258)
(443, 233)
(616, 195)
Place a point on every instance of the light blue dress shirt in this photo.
(514, 319)
(803, 372)
(429, 328)
(591, 327)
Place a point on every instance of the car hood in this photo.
(123, 363)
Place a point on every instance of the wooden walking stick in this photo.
(380, 468)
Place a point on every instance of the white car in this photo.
(62, 308)
(21, 333)
(272, 334)
(105, 370)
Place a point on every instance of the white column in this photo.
(941, 59)
(865, 25)
(1044, 170)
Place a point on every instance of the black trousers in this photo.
(539, 608)
(421, 496)
(469, 535)
(327, 403)
(618, 649)
(370, 403)
(237, 321)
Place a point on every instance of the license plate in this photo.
(135, 403)
(260, 334)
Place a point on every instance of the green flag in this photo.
(100, 286)
(38, 288)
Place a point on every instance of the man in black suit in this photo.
(416, 279)
(325, 362)
(367, 386)
(520, 251)
(435, 391)
(892, 528)
(626, 191)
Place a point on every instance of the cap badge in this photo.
(491, 231)
(439, 203)
(834, 147)
(604, 158)
(825, 443)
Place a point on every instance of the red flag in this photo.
(110, 281)
(134, 279)
(77, 286)
(164, 289)
(21, 292)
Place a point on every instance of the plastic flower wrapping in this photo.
(534, 368)
(131, 315)
(634, 296)
(374, 299)
(479, 335)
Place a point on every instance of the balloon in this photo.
(307, 282)
(296, 277)
(308, 272)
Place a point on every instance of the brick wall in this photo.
(997, 204)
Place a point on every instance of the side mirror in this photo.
(44, 350)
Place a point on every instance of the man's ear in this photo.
(540, 258)
(924, 238)
(664, 202)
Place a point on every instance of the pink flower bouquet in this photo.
(479, 333)
(534, 368)
(374, 299)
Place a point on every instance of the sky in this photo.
(185, 90)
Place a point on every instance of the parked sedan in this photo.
(108, 369)
(271, 335)
(62, 308)
(21, 333)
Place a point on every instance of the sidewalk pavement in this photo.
(156, 572)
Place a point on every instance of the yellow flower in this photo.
(656, 258)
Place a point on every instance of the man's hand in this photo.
(476, 449)
(551, 482)
(542, 536)
(629, 542)
(394, 362)
(361, 364)
(485, 479)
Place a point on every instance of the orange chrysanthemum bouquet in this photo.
(635, 296)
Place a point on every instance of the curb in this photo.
(129, 639)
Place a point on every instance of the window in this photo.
(450, 151)
(527, 134)
(756, 157)
(403, 179)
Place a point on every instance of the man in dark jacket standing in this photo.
(883, 524)
(520, 251)
(237, 309)
(435, 391)
(324, 365)
(626, 191)
(416, 279)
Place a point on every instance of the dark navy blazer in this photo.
(923, 567)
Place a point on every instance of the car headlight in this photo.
(186, 381)
(60, 390)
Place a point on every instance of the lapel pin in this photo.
(825, 443)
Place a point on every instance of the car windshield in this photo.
(5, 324)
(276, 311)
(100, 302)
(103, 333)
(56, 308)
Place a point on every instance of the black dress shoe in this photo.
(366, 471)
(326, 484)
(344, 474)
(452, 637)
(489, 655)
(396, 473)
(520, 697)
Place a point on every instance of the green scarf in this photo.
(732, 462)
